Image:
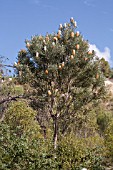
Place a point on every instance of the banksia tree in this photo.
(62, 72)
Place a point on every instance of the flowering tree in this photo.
(61, 75)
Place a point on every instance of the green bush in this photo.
(103, 120)
(74, 153)
(109, 142)
(22, 119)
(20, 153)
(22, 147)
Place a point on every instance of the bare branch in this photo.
(8, 65)
(10, 99)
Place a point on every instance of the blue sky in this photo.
(20, 19)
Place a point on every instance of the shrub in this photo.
(20, 153)
(109, 143)
(74, 154)
(21, 118)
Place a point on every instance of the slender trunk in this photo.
(55, 135)
(55, 126)
(44, 131)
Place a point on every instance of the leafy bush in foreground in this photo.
(74, 154)
(20, 153)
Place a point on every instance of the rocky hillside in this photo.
(109, 85)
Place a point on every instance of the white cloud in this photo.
(89, 3)
(102, 54)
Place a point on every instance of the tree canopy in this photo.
(63, 75)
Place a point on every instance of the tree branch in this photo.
(10, 99)
(8, 65)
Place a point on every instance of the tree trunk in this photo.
(55, 135)
(44, 131)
